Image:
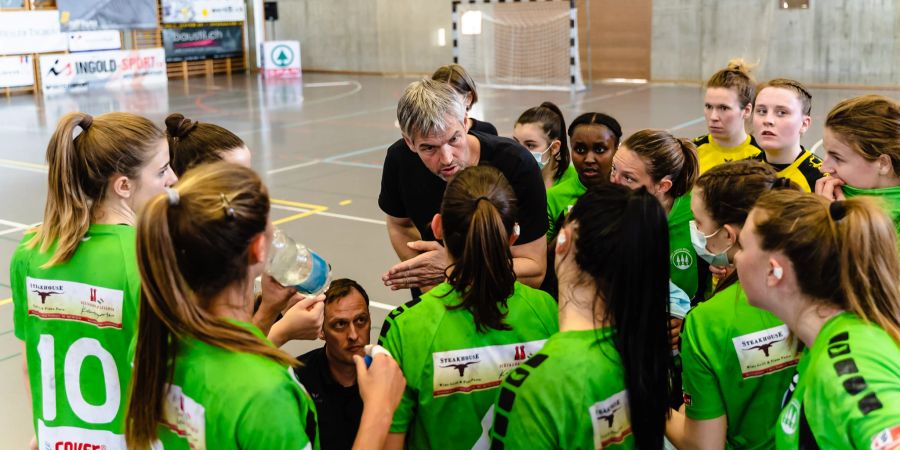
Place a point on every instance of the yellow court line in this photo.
(22, 165)
(345, 202)
(313, 209)
(5, 301)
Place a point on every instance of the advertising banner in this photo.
(30, 32)
(16, 71)
(203, 11)
(192, 43)
(91, 15)
(110, 69)
(84, 41)
(281, 59)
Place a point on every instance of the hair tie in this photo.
(86, 121)
(781, 182)
(226, 205)
(837, 210)
(477, 200)
(174, 198)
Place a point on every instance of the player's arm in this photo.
(530, 261)
(395, 441)
(401, 231)
(689, 434)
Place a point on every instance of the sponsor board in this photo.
(766, 351)
(16, 71)
(476, 369)
(30, 32)
(203, 11)
(195, 43)
(108, 69)
(85, 41)
(68, 300)
(611, 420)
(90, 15)
(281, 59)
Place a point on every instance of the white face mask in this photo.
(698, 239)
(539, 156)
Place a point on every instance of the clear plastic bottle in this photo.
(292, 264)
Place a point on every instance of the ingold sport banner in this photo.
(110, 69)
(202, 42)
(90, 15)
(203, 11)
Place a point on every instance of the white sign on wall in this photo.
(203, 11)
(30, 32)
(83, 41)
(16, 71)
(110, 69)
(281, 59)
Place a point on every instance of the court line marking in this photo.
(10, 223)
(10, 356)
(5, 301)
(310, 209)
(355, 164)
(383, 306)
(345, 202)
(335, 159)
(334, 215)
(295, 166)
(688, 123)
(22, 165)
(21, 227)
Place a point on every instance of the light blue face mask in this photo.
(539, 157)
(698, 239)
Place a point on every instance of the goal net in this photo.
(518, 45)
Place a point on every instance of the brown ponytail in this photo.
(80, 168)
(192, 142)
(478, 214)
(212, 245)
(844, 253)
(736, 76)
(667, 156)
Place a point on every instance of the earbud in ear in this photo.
(777, 272)
(516, 229)
(561, 240)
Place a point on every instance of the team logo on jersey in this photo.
(765, 351)
(68, 300)
(480, 368)
(74, 438)
(185, 417)
(888, 439)
(611, 420)
(790, 417)
(682, 259)
(687, 399)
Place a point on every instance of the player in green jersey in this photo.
(781, 115)
(75, 282)
(457, 342)
(542, 130)
(192, 143)
(862, 151)
(831, 272)
(603, 381)
(667, 167)
(727, 105)
(204, 376)
(737, 360)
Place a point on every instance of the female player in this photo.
(462, 83)
(727, 106)
(75, 281)
(542, 130)
(457, 342)
(736, 364)
(192, 143)
(830, 271)
(862, 151)
(603, 381)
(204, 377)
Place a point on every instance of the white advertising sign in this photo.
(281, 59)
(110, 69)
(203, 11)
(30, 32)
(16, 71)
(84, 41)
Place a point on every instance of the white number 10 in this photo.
(74, 359)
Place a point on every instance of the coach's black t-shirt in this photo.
(410, 190)
(338, 408)
(483, 127)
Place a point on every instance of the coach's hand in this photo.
(423, 271)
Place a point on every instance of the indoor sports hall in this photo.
(312, 88)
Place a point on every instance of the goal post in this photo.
(518, 44)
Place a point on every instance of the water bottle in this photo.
(293, 264)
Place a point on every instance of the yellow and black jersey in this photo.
(804, 171)
(711, 154)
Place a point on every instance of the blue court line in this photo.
(10, 356)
